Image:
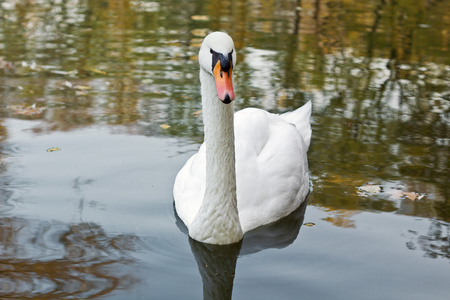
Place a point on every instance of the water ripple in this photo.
(56, 260)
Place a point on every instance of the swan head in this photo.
(217, 57)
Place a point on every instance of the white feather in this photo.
(271, 169)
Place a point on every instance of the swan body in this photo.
(252, 168)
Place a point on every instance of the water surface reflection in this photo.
(217, 263)
(114, 84)
(54, 260)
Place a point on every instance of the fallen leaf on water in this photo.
(413, 195)
(98, 71)
(309, 224)
(60, 72)
(197, 113)
(53, 149)
(82, 87)
(164, 126)
(370, 188)
(398, 194)
(395, 194)
(200, 18)
(21, 109)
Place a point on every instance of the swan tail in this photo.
(301, 118)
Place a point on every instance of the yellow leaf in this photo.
(53, 149)
(98, 71)
(164, 126)
(197, 113)
(83, 87)
(309, 224)
(200, 18)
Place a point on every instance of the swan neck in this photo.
(217, 221)
(218, 120)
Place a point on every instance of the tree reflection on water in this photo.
(435, 243)
(377, 73)
(58, 261)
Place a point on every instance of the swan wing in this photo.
(189, 186)
(301, 118)
(271, 167)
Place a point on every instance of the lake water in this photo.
(100, 108)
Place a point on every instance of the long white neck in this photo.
(217, 221)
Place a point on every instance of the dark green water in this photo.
(113, 87)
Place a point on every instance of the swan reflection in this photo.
(217, 263)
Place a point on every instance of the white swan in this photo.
(246, 175)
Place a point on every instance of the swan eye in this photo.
(226, 62)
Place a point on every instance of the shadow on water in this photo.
(53, 260)
(217, 263)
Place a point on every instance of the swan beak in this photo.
(224, 85)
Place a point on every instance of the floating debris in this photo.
(61, 72)
(398, 194)
(164, 126)
(80, 90)
(82, 87)
(200, 18)
(368, 189)
(197, 113)
(22, 109)
(413, 195)
(53, 149)
(309, 224)
(98, 71)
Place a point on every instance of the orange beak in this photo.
(224, 85)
